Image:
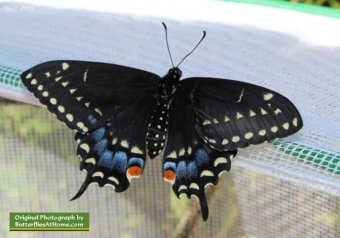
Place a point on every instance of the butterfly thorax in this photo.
(158, 126)
(169, 83)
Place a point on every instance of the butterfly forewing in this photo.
(86, 94)
(232, 114)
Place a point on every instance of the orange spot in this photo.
(169, 174)
(135, 170)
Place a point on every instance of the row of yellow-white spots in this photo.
(112, 178)
(249, 135)
(93, 161)
(238, 116)
(266, 97)
(105, 185)
(125, 144)
(181, 152)
(191, 186)
(86, 148)
(99, 174)
(207, 173)
(53, 101)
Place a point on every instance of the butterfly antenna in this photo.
(167, 43)
(204, 34)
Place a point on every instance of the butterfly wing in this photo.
(190, 165)
(210, 119)
(108, 106)
(115, 153)
(231, 114)
(85, 95)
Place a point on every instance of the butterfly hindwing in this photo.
(116, 153)
(190, 165)
(85, 94)
(232, 114)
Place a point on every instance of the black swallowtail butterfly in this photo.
(120, 114)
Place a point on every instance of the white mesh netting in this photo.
(285, 188)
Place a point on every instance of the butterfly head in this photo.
(170, 82)
(175, 73)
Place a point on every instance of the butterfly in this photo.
(122, 114)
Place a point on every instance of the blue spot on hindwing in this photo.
(170, 165)
(119, 162)
(136, 160)
(98, 134)
(92, 120)
(106, 159)
(181, 170)
(201, 157)
(192, 170)
(101, 146)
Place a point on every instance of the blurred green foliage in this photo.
(330, 219)
(177, 206)
(329, 3)
(34, 125)
(29, 119)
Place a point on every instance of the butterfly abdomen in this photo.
(157, 129)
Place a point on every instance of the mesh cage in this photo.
(284, 188)
(40, 173)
